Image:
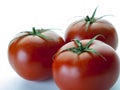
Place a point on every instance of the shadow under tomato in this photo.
(18, 83)
(39, 85)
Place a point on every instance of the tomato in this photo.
(83, 66)
(30, 54)
(88, 27)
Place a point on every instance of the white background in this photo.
(21, 15)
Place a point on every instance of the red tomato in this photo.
(30, 55)
(77, 68)
(90, 27)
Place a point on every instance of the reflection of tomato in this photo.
(31, 54)
(94, 27)
(86, 70)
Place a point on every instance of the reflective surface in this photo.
(16, 83)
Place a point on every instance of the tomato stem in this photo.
(34, 31)
(87, 18)
(38, 32)
(80, 48)
(92, 19)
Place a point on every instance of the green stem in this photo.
(87, 18)
(91, 20)
(38, 32)
(34, 31)
(80, 48)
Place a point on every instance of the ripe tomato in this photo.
(76, 67)
(88, 27)
(31, 53)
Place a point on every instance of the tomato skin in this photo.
(87, 71)
(78, 30)
(31, 56)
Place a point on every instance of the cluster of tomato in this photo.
(85, 60)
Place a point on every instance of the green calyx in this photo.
(38, 32)
(92, 19)
(35, 32)
(80, 48)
